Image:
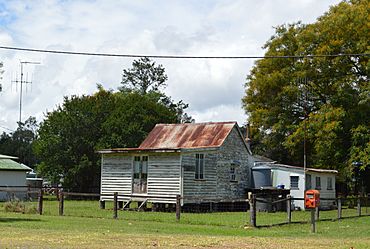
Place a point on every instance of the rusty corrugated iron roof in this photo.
(187, 136)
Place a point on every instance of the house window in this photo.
(308, 182)
(141, 167)
(294, 182)
(330, 183)
(318, 182)
(232, 172)
(199, 166)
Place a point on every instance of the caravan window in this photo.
(318, 182)
(330, 183)
(294, 180)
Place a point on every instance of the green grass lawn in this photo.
(86, 226)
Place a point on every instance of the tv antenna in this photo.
(21, 82)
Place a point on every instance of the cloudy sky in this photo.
(212, 88)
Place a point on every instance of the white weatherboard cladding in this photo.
(116, 176)
(324, 191)
(12, 178)
(282, 176)
(164, 177)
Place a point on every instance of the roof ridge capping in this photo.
(201, 123)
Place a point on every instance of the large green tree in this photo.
(19, 143)
(323, 99)
(70, 135)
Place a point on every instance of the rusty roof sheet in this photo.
(187, 136)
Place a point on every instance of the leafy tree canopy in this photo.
(326, 99)
(144, 76)
(19, 143)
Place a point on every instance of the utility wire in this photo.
(5, 128)
(180, 56)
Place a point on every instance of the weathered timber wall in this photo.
(217, 185)
(116, 175)
(233, 151)
(199, 188)
(164, 177)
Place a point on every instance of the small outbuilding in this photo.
(202, 162)
(298, 180)
(12, 178)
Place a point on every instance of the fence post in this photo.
(178, 207)
(289, 208)
(339, 200)
(317, 213)
(28, 191)
(115, 205)
(359, 206)
(102, 204)
(40, 201)
(61, 203)
(366, 197)
(313, 221)
(252, 204)
(57, 193)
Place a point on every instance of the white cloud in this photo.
(213, 88)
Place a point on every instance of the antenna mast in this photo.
(21, 82)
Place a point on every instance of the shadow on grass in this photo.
(17, 219)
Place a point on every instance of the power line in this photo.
(181, 56)
(6, 128)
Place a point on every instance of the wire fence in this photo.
(343, 207)
(58, 202)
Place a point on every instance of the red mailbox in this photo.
(312, 199)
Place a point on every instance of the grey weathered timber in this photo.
(120, 204)
(40, 201)
(252, 202)
(317, 213)
(313, 221)
(61, 203)
(178, 207)
(289, 209)
(217, 184)
(359, 206)
(339, 203)
(115, 205)
(102, 204)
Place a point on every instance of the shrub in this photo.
(18, 206)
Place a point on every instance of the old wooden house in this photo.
(202, 162)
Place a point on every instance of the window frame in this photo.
(297, 183)
(329, 186)
(140, 163)
(318, 182)
(232, 172)
(199, 166)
